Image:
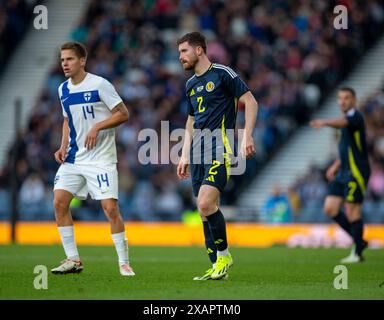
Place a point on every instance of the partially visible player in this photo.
(212, 93)
(348, 175)
(92, 109)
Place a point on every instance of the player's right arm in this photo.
(337, 123)
(61, 153)
(182, 168)
(332, 170)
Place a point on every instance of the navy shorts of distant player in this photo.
(212, 100)
(351, 180)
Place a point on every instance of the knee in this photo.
(330, 211)
(61, 209)
(205, 207)
(61, 206)
(352, 212)
(112, 212)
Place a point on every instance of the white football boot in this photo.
(126, 270)
(68, 266)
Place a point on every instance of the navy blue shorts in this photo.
(215, 174)
(350, 189)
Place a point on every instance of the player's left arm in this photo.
(337, 123)
(239, 90)
(251, 108)
(119, 115)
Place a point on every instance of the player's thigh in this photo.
(69, 179)
(332, 205)
(354, 192)
(207, 199)
(353, 211)
(102, 181)
(354, 197)
(216, 174)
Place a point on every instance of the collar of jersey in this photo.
(210, 67)
(351, 112)
(80, 83)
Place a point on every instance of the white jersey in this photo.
(84, 105)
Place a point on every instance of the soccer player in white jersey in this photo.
(92, 109)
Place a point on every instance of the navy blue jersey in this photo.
(212, 100)
(353, 149)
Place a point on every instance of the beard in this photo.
(190, 65)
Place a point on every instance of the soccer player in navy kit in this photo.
(348, 175)
(212, 93)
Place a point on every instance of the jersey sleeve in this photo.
(62, 107)
(109, 95)
(234, 84)
(354, 120)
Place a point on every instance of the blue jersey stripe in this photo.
(70, 99)
(73, 148)
(81, 97)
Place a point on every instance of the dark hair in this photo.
(194, 39)
(350, 90)
(79, 48)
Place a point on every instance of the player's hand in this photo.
(317, 124)
(248, 149)
(331, 173)
(90, 139)
(60, 155)
(183, 168)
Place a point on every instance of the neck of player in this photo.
(78, 77)
(202, 66)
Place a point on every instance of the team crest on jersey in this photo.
(87, 96)
(199, 89)
(209, 86)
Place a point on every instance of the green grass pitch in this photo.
(166, 273)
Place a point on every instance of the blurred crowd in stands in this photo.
(14, 19)
(288, 53)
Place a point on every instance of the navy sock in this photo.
(217, 224)
(209, 242)
(357, 235)
(343, 222)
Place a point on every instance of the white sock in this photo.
(214, 265)
(121, 244)
(68, 239)
(223, 253)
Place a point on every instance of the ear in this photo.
(199, 51)
(83, 61)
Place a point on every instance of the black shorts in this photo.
(350, 189)
(215, 174)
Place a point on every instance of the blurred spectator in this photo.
(277, 208)
(32, 196)
(14, 19)
(294, 200)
